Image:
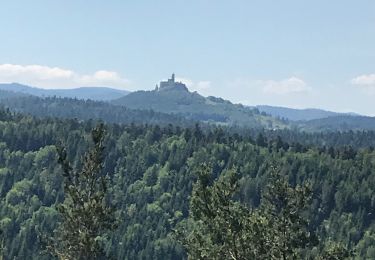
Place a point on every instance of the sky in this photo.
(300, 54)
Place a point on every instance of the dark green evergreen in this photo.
(86, 215)
(152, 171)
(224, 228)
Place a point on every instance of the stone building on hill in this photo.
(171, 84)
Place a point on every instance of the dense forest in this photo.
(177, 110)
(97, 110)
(85, 110)
(152, 170)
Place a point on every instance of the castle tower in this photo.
(172, 77)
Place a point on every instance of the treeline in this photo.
(324, 140)
(152, 170)
(68, 108)
(87, 110)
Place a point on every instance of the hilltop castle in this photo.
(171, 84)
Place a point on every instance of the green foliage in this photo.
(335, 251)
(284, 206)
(86, 217)
(223, 228)
(193, 106)
(87, 110)
(151, 168)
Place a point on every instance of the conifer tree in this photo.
(86, 216)
(284, 207)
(220, 227)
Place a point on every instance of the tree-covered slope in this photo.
(93, 93)
(194, 106)
(9, 94)
(87, 110)
(340, 123)
(297, 114)
(176, 106)
(151, 171)
(317, 120)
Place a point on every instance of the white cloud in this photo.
(200, 86)
(54, 77)
(203, 85)
(188, 82)
(285, 86)
(365, 81)
(103, 77)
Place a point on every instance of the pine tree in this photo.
(336, 251)
(284, 207)
(86, 216)
(220, 227)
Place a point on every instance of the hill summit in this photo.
(173, 97)
(171, 84)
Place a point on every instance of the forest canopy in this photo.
(153, 170)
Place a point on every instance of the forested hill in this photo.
(89, 109)
(152, 170)
(317, 120)
(217, 110)
(196, 107)
(341, 123)
(86, 110)
(93, 93)
(299, 114)
(10, 94)
(178, 106)
(92, 110)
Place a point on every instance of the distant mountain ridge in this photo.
(340, 123)
(174, 98)
(4, 94)
(85, 110)
(300, 114)
(93, 93)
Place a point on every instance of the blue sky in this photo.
(289, 53)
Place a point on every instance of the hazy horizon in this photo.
(290, 54)
(122, 89)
